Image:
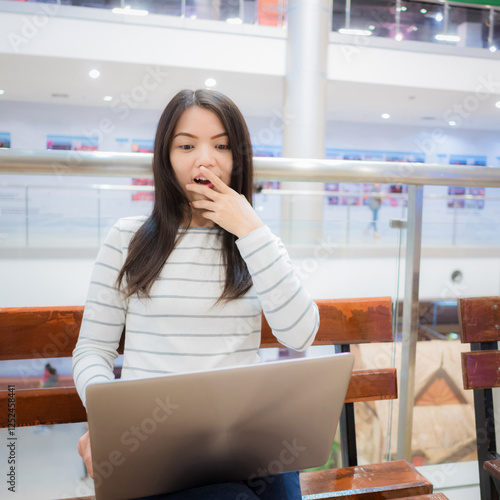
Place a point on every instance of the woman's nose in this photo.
(205, 155)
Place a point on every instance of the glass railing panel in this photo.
(362, 223)
(219, 11)
(117, 203)
(164, 7)
(421, 21)
(444, 438)
(95, 4)
(377, 271)
(470, 24)
(376, 16)
(460, 216)
(13, 212)
(267, 202)
(61, 217)
(338, 15)
(78, 216)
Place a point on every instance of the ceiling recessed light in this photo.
(439, 17)
(497, 104)
(452, 123)
(404, 9)
(493, 48)
(107, 98)
(423, 11)
(2, 92)
(398, 37)
(210, 82)
(414, 28)
(371, 27)
(94, 73)
(386, 116)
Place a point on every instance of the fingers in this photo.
(204, 190)
(207, 204)
(221, 186)
(85, 452)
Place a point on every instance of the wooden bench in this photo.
(50, 332)
(479, 320)
(432, 496)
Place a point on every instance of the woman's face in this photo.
(200, 140)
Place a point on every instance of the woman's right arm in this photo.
(103, 318)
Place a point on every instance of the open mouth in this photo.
(202, 180)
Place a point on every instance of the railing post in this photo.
(410, 321)
(27, 215)
(99, 217)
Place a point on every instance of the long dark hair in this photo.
(154, 241)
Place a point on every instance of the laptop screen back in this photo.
(163, 434)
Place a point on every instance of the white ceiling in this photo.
(37, 79)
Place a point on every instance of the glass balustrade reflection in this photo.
(163, 7)
(221, 10)
(464, 264)
(79, 216)
(94, 4)
(459, 216)
(421, 21)
(38, 216)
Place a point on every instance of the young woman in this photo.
(190, 281)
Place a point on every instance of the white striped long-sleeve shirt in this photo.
(181, 328)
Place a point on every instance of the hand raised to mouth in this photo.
(224, 206)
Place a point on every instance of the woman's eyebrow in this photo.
(218, 135)
(185, 133)
(196, 137)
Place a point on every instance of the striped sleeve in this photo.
(103, 318)
(291, 313)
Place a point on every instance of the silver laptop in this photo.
(163, 434)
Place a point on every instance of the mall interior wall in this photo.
(30, 123)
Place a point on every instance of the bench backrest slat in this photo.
(480, 369)
(60, 405)
(52, 332)
(479, 319)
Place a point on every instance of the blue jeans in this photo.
(284, 486)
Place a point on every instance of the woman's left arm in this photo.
(291, 313)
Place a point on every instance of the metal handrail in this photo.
(96, 163)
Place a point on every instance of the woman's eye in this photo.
(222, 146)
(186, 147)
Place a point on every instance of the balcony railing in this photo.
(437, 21)
(64, 169)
